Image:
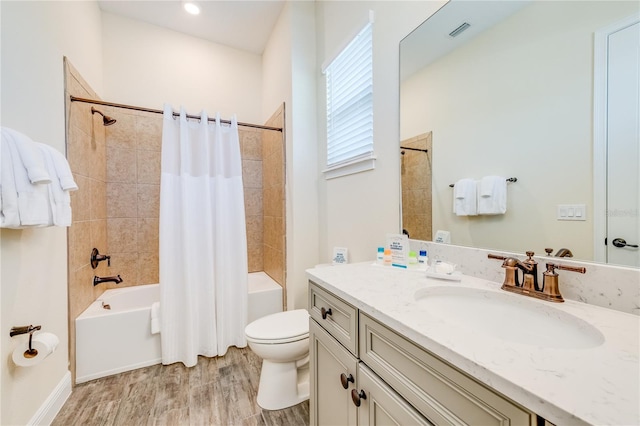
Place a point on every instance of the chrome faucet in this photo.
(549, 290)
(98, 280)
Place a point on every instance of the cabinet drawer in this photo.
(440, 392)
(340, 319)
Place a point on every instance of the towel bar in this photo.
(511, 179)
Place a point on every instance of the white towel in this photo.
(492, 197)
(9, 217)
(30, 156)
(63, 171)
(59, 198)
(155, 318)
(23, 204)
(464, 197)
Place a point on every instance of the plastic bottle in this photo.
(380, 256)
(413, 259)
(423, 260)
(387, 257)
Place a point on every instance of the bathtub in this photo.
(112, 341)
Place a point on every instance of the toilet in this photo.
(282, 341)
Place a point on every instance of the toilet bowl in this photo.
(282, 341)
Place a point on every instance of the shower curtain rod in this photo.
(158, 111)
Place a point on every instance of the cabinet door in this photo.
(329, 402)
(381, 405)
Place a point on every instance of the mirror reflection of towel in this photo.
(464, 197)
(492, 197)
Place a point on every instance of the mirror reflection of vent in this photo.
(460, 29)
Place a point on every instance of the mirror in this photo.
(512, 95)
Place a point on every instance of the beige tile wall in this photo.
(86, 152)
(133, 195)
(416, 188)
(252, 166)
(116, 208)
(273, 182)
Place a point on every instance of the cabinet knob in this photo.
(357, 397)
(325, 312)
(344, 379)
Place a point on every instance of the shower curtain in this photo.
(203, 243)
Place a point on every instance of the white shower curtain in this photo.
(203, 243)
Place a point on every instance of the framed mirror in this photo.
(521, 89)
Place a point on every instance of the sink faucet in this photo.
(549, 290)
(563, 252)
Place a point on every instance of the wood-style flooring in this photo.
(217, 391)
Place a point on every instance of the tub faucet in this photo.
(98, 280)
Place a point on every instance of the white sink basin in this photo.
(509, 317)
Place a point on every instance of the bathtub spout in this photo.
(97, 280)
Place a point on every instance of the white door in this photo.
(623, 151)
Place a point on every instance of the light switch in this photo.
(571, 212)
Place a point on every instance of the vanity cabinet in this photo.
(345, 392)
(364, 373)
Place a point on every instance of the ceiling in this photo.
(241, 24)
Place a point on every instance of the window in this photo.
(349, 79)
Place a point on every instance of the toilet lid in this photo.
(279, 326)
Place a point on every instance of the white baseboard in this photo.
(54, 402)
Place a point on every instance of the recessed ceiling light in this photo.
(191, 7)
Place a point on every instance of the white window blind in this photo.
(349, 80)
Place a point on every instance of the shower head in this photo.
(106, 120)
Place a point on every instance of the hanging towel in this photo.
(492, 197)
(464, 197)
(30, 156)
(155, 318)
(62, 170)
(24, 204)
(59, 197)
(9, 217)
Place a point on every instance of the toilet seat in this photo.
(281, 327)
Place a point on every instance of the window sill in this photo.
(353, 167)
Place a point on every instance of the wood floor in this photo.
(217, 391)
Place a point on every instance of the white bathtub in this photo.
(111, 341)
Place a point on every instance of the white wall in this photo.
(516, 101)
(357, 211)
(146, 65)
(289, 72)
(35, 37)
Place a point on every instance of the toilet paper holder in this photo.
(31, 352)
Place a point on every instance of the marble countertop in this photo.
(595, 385)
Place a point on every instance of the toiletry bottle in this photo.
(380, 256)
(423, 260)
(413, 259)
(387, 257)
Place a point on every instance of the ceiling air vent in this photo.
(460, 29)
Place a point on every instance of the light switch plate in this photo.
(572, 212)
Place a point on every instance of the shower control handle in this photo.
(357, 397)
(325, 313)
(345, 380)
(96, 258)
